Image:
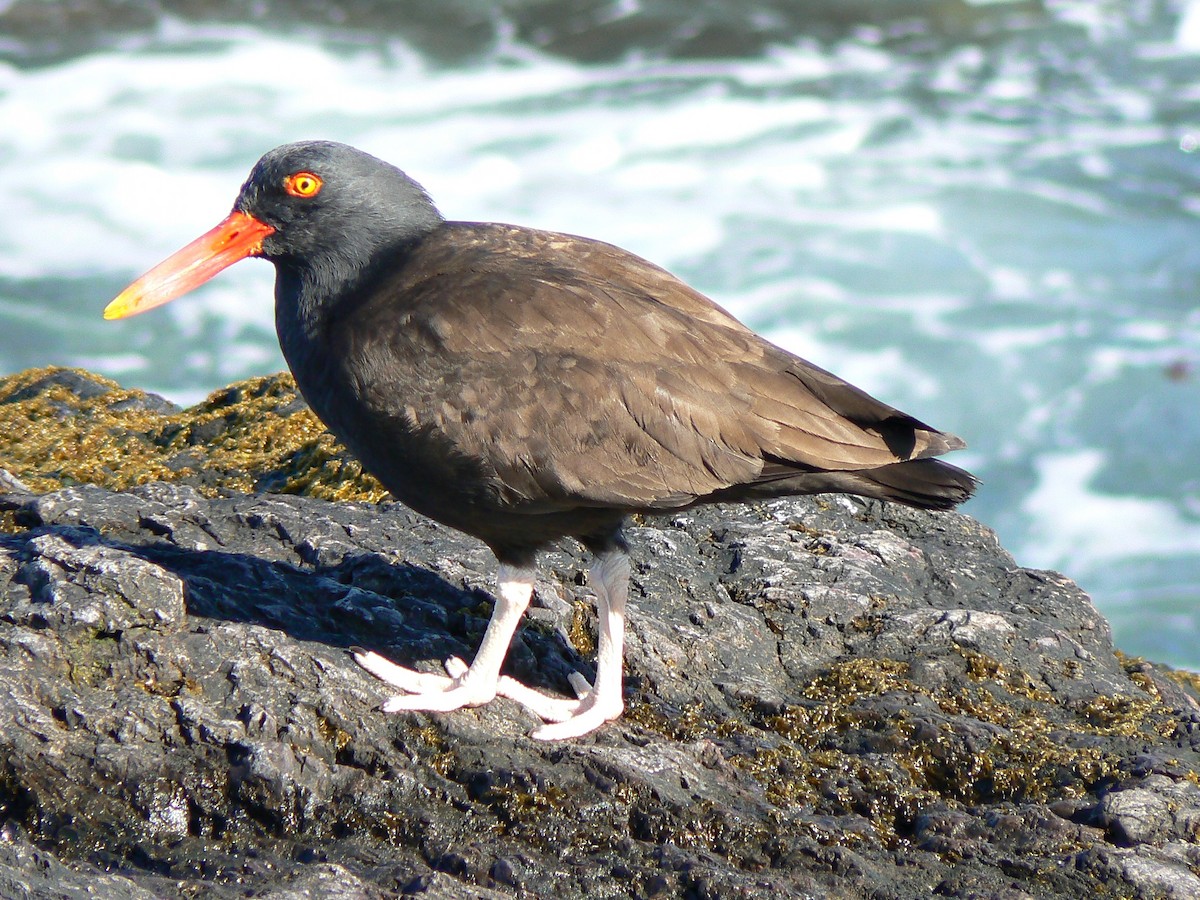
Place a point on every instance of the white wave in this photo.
(1187, 33)
(1079, 529)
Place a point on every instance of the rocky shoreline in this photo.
(827, 697)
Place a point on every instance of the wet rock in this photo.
(1168, 872)
(826, 696)
(71, 583)
(26, 871)
(1159, 810)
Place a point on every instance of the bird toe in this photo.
(576, 726)
(440, 701)
(409, 680)
(580, 685)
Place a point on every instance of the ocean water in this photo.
(987, 214)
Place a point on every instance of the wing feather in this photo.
(576, 373)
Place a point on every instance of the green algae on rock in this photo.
(60, 427)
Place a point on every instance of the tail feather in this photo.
(924, 483)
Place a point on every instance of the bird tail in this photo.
(924, 483)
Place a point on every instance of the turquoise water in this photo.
(986, 214)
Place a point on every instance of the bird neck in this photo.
(314, 289)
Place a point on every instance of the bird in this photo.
(524, 386)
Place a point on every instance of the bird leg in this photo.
(480, 682)
(473, 685)
(604, 701)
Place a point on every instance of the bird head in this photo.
(312, 204)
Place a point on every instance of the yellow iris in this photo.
(302, 184)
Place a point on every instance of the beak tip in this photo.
(238, 236)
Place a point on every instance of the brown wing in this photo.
(579, 374)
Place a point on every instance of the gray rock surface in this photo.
(826, 697)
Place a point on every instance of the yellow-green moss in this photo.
(692, 723)
(54, 439)
(332, 734)
(517, 810)
(582, 630)
(981, 667)
(1139, 671)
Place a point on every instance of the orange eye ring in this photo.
(303, 184)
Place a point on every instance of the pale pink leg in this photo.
(479, 682)
(610, 580)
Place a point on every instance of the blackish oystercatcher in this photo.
(523, 386)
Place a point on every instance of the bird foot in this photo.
(545, 707)
(428, 692)
(583, 722)
(406, 679)
(565, 718)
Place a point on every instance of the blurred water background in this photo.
(987, 213)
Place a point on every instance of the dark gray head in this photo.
(324, 213)
(332, 204)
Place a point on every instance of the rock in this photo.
(26, 871)
(67, 426)
(1157, 811)
(826, 696)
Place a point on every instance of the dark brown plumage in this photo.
(522, 386)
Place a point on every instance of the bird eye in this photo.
(303, 184)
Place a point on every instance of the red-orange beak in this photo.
(239, 236)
